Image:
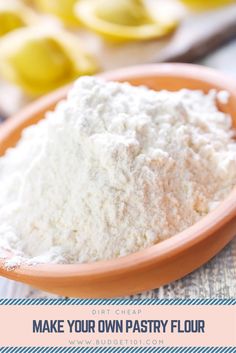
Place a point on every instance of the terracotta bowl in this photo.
(163, 262)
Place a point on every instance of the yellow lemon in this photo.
(13, 16)
(10, 20)
(122, 20)
(205, 4)
(40, 61)
(122, 12)
(64, 9)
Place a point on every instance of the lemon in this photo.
(41, 60)
(122, 20)
(122, 12)
(10, 20)
(13, 16)
(205, 4)
(64, 9)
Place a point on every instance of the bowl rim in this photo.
(168, 248)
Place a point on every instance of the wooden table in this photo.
(216, 279)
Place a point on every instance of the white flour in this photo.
(113, 170)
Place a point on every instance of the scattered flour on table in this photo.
(114, 169)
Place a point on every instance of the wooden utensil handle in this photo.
(199, 35)
(201, 49)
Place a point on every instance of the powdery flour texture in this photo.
(114, 169)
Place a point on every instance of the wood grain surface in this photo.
(216, 279)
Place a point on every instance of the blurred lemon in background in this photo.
(122, 20)
(14, 15)
(10, 20)
(206, 4)
(64, 9)
(123, 12)
(40, 61)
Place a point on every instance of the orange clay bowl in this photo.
(163, 262)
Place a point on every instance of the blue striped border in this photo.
(118, 349)
(52, 301)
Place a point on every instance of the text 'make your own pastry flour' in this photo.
(114, 169)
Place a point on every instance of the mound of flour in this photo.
(114, 169)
